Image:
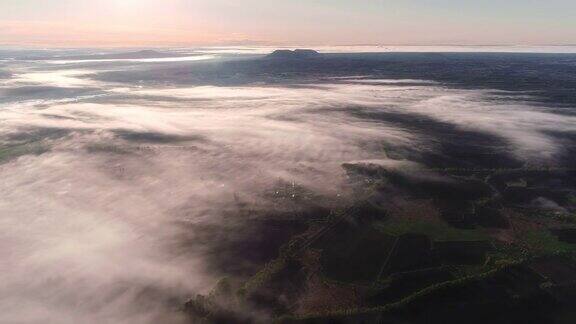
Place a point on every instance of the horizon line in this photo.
(257, 44)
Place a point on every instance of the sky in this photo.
(283, 22)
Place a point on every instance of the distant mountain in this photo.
(295, 54)
(140, 55)
(144, 54)
(136, 55)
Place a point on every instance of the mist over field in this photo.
(125, 177)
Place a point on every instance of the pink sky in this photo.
(314, 22)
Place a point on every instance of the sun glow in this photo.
(123, 5)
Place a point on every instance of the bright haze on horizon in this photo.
(277, 22)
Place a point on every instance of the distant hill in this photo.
(144, 54)
(136, 55)
(295, 54)
(141, 54)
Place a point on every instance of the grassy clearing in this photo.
(8, 153)
(107, 148)
(544, 242)
(437, 231)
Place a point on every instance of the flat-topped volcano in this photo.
(294, 54)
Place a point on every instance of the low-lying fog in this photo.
(103, 164)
